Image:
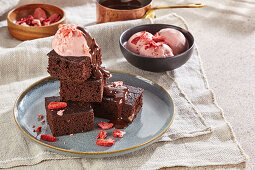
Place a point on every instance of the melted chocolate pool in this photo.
(122, 4)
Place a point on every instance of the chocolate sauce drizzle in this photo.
(98, 72)
(118, 93)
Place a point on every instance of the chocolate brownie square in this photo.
(108, 107)
(76, 117)
(69, 67)
(90, 90)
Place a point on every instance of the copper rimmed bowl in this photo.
(105, 14)
(156, 64)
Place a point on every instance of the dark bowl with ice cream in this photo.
(156, 64)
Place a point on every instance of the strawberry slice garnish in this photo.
(118, 133)
(105, 142)
(40, 14)
(57, 105)
(105, 125)
(48, 138)
(102, 134)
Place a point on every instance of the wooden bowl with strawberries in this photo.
(35, 21)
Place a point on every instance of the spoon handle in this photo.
(198, 5)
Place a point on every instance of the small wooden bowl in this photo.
(32, 32)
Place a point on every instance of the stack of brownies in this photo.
(84, 90)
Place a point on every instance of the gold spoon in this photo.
(151, 12)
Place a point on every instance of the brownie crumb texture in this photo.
(90, 90)
(69, 67)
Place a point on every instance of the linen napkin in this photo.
(199, 135)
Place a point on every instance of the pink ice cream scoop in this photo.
(138, 40)
(156, 50)
(175, 39)
(69, 41)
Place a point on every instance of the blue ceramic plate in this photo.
(153, 120)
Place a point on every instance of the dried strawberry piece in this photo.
(136, 39)
(118, 133)
(36, 22)
(118, 83)
(102, 134)
(105, 125)
(158, 38)
(54, 18)
(29, 19)
(40, 116)
(46, 22)
(26, 21)
(40, 14)
(24, 24)
(152, 44)
(48, 138)
(43, 121)
(105, 142)
(57, 105)
(38, 129)
(20, 22)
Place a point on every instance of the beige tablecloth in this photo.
(199, 135)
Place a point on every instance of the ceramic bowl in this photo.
(28, 33)
(156, 64)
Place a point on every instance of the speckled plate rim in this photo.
(92, 153)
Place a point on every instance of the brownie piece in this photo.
(90, 90)
(69, 67)
(75, 67)
(108, 108)
(77, 117)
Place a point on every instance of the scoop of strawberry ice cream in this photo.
(69, 41)
(156, 50)
(175, 39)
(137, 40)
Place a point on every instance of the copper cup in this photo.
(105, 14)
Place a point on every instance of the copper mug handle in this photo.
(151, 12)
